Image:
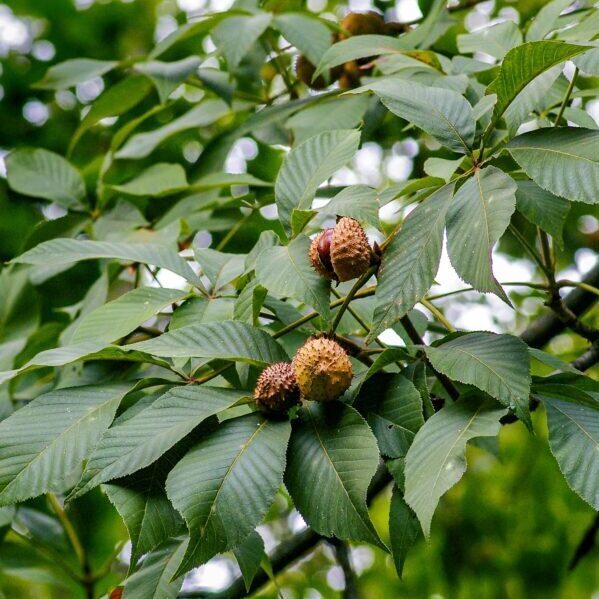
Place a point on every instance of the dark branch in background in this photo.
(289, 551)
(586, 543)
(344, 559)
(542, 330)
(588, 359)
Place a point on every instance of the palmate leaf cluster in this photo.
(143, 384)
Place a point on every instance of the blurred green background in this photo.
(508, 530)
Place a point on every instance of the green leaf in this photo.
(437, 458)
(496, 40)
(307, 33)
(235, 36)
(403, 530)
(496, 364)
(145, 509)
(156, 578)
(115, 101)
(521, 65)
(359, 46)
(43, 445)
(71, 72)
(443, 113)
(68, 251)
(356, 201)
(551, 360)
(478, 216)
(90, 350)
(546, 19)
(249, 303)
(228, 340)
(224, 486)
(249, 555)
(158, 180)
(573, 422)
(167, 76)
(332, 444)
(43, 174)
(564, 161)
(219, 267)
(199, 310)
(218, 180)
(300, 219)
(308, 165)
(286, 271)
(124, 314)
(411, 261)
(202, 114)
(140, 440)
(392, 407)
(533, 98)
(542, 208)
(338, 112)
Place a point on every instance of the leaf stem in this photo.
(68, 527)
(350, 296)
(566, 97)
(438, 315)
(529, 249)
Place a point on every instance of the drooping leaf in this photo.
(201, 115)
(359, 46)
(443, 113)
(564, 161)
(156, 578)
(116, 319)
(411, 260)
(546, 19)
(522, 64)
(249, 303)
(43, 174)
(140, 440)
(286, 271)
(76, 70)
(332, 444)
(157, 180)
(43, 445)
(542, 208)
(226, 483)
(249, 555)
(307, 33)
(167, 76)
(235, 36)
(496, 40)
(308, 165)
(403, 530)
(496, 364)
(68, 251)
(228, 340)
(478, 216)
(356, 201)
(573, 422)
(436, 459)
(145, 509)
(392, 407)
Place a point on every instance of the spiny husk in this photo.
(322, 369)
(276, 390)
(350, 251)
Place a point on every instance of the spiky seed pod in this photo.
(276, 390)
(322, 369)
(350, 251)
(365, 23)
(341, 253)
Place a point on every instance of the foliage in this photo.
(149, 281)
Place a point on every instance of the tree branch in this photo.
(344, 559)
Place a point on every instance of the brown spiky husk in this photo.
(276, 390)
(315, 257)
(350, 251)
(322, 369)
(305, 70)
(366, 23)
